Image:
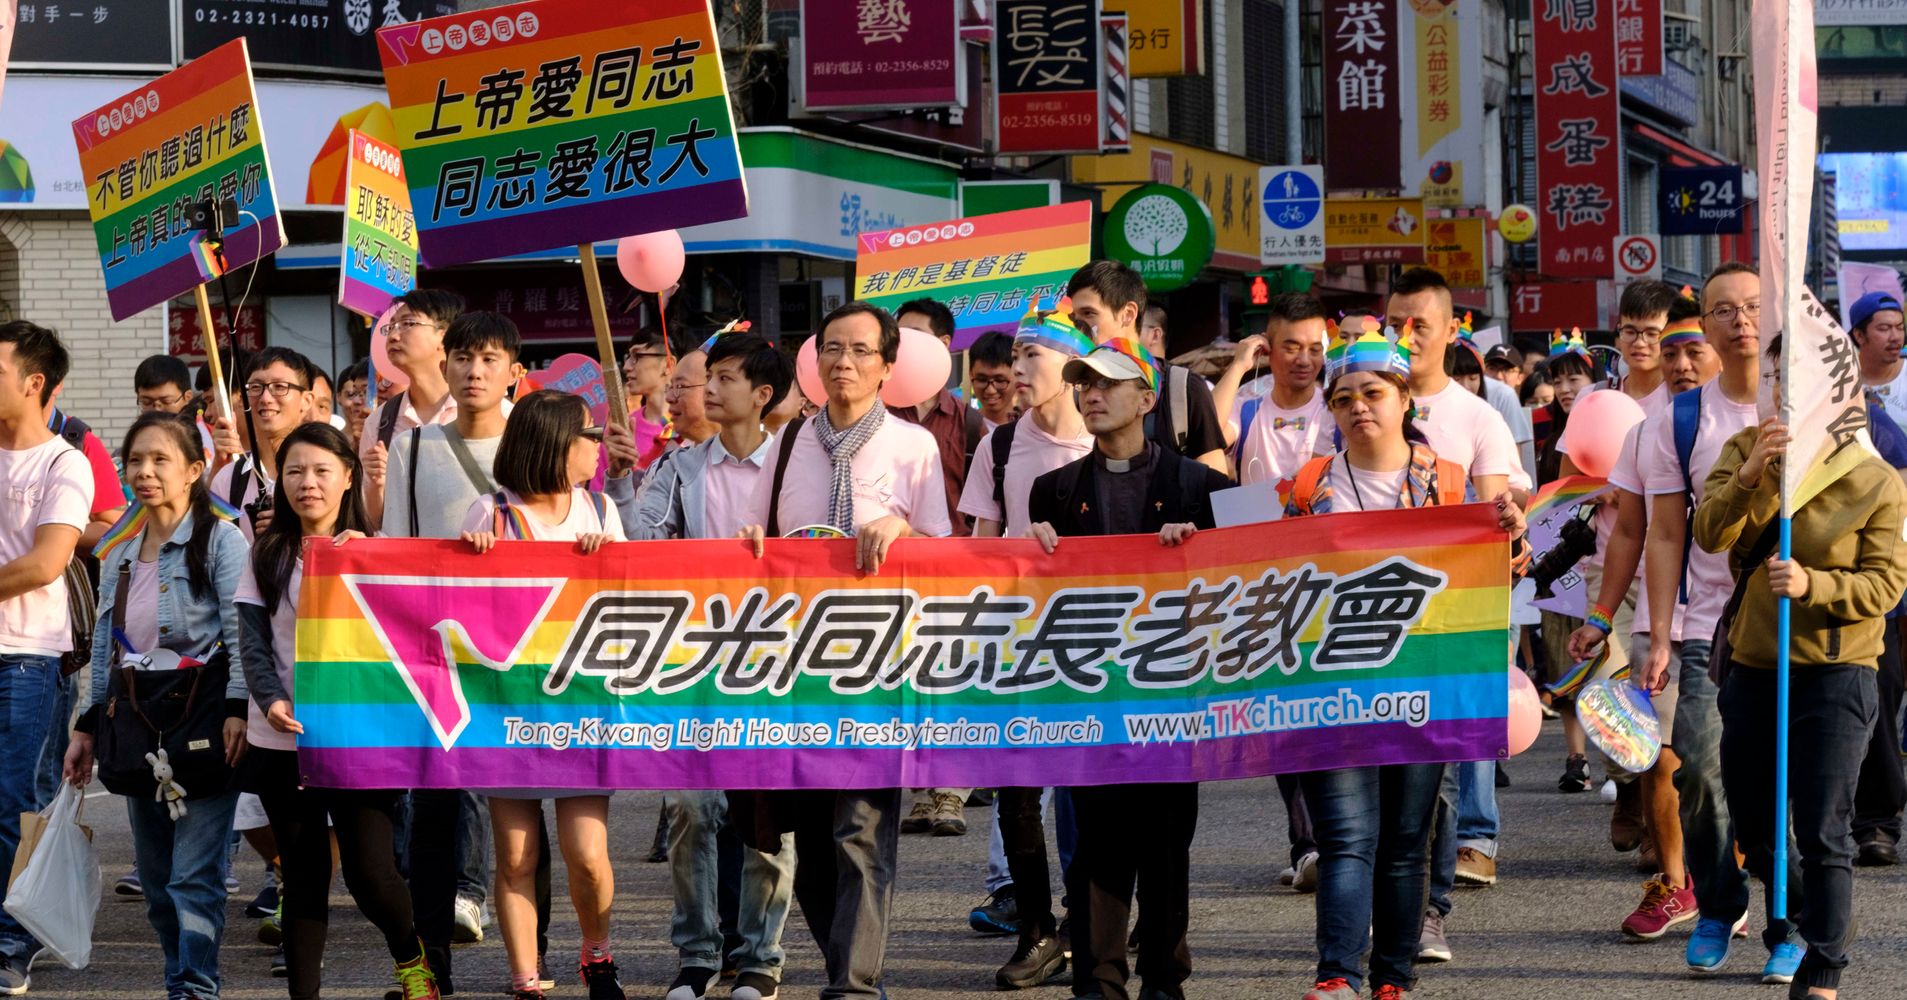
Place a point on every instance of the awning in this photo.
(1681, 154)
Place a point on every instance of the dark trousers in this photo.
(1132, 834)
(1831, 711)
(1297, 818)
(1023, 837)
(1882, 791)
(845, 847)
(443, 852)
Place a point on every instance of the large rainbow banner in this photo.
(540, 125)
(987, 269)
(1332, 641)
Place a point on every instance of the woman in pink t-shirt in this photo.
(547, 448)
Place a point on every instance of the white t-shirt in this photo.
(1257, 388)
(1503, 399)
(1356, 489)
(1709, 581)
(1893, 396)
(1034, 454)
(581, 520)
(444, 490)
(1280, 441)
(284, 647)
(1627, 475)
(256, 485)
(1464, 429)
(49, 483)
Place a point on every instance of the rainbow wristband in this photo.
(1601, 618)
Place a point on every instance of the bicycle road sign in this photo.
(1291, 226)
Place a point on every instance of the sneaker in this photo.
(1306, 880)
(1608, 792)
(1389, 991)
(1288, 876)
(691, 983)
(1000, 914)
(1663, 906)
(1708, 945)
(1033, 963)
(1331, 989)
(1549, 711)
(1475, 867)
(266, 902)
(980, 798)
(544, 981)
(271, 930)
(1575, 775)
(526, 994)
(1877, 852)
(1628, 825)
(920, 819)
(1065, 935)
(948, 822)
(467, 926)
(415, 982)
(1432, 946)
(754, 986)
(600, 977)
(280, 967)
(1782, 964)
(14, 979)
(231, 884)
(128, 885)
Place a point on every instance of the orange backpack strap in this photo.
(1452, 481)
(1305, 485)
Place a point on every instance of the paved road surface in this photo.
(1549, 930)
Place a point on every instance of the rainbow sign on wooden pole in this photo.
(380, 231)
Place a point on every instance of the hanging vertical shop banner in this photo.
(380, 232)
(862, 54)
(1441, 103)
(1578, 139)
(1357, 640)
(1361, 105)
(1168, 36)
(1639, 37)
(542, 125)
(988, 270)
(1049, 88)
(1455, 249)
(1118, 85)
(190, 137)
(1821, 399)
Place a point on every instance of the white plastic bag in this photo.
(57, 896)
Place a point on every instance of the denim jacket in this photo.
(187, 624)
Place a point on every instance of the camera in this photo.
(1576, 540)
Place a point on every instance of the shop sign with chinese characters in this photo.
(1639, 37)
(1455, 248)
(1578, 138)
(1360, 95)
(1442, 105)
(1168, 37)
(1162, 232)
(542, 125)
(1374, 231)
(880, 54)
(1049, 87)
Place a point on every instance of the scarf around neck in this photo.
(841, 445)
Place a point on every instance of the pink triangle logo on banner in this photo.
(416, 620)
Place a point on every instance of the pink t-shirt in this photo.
(1280, 441)
(49, 483)
(581, 520)
(142, 605)
(646, 431)
(896, 473)
(1034, 454)
(1464, 429)
(1709, 581)
(284, 647)
(728, 484)
(1627, 475)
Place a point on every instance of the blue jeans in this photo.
(182, 867)
(1708, 836)
(767, 888)
(1373, 829)
(1476, 805)
(27, 694)
(46, 783)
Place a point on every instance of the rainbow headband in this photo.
(1371, 352)
(1053, 330)
(1682, 332)
(734, 326)
(134, 521)
(1148, 364)
(1560, 345)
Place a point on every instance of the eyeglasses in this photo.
(278, 390)
(859, 353)
(1727, 313)
(992, 382)
(677, 388)
(647, 354)
(355, 396)
(1103, 383)
(405, 326)
(150, 403)
(1646, 334)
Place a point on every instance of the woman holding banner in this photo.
(1373, 824)
(548, 447)
(319, 495)
(1846, 570)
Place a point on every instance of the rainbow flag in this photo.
(1340, 640)
(989, 269)
(1564, 495)
(617, 123)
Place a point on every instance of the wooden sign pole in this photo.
(605, 345)
(220, 394)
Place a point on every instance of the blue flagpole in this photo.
(1779, 884)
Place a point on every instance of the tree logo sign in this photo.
(1163, 232)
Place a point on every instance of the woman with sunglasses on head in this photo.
(1373, 824)
(547, 449)
(167, 576)
(318, 495)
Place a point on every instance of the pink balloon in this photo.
(920, 370)
(1598, 424)
(651, 261)
(808, 372)
(387, 371)
(1526, 711)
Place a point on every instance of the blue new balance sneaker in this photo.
(1708, 946)
(1782, 963)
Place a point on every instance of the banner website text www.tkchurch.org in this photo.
(1234, 717)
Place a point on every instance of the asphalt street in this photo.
(1547, 930)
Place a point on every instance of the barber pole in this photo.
(1118, 85)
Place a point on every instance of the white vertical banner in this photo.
(1820, 392)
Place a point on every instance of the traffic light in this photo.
(1260, 292)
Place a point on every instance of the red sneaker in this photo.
(1332, 989)
(1662, 907)
(1389, 991)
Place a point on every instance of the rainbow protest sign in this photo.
(191, 136)
(1345, 639)
(380, 231)
(987, 269)
(548, 124)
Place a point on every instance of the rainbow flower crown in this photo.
(1573, 343)
(734, 326)
(1371, 352)
(1054, 329)
(1467, 337)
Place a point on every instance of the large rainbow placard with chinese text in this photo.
(1340, 640)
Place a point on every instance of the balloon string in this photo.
(668, 365)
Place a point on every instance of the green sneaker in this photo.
(415, 981)
(271, 930)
